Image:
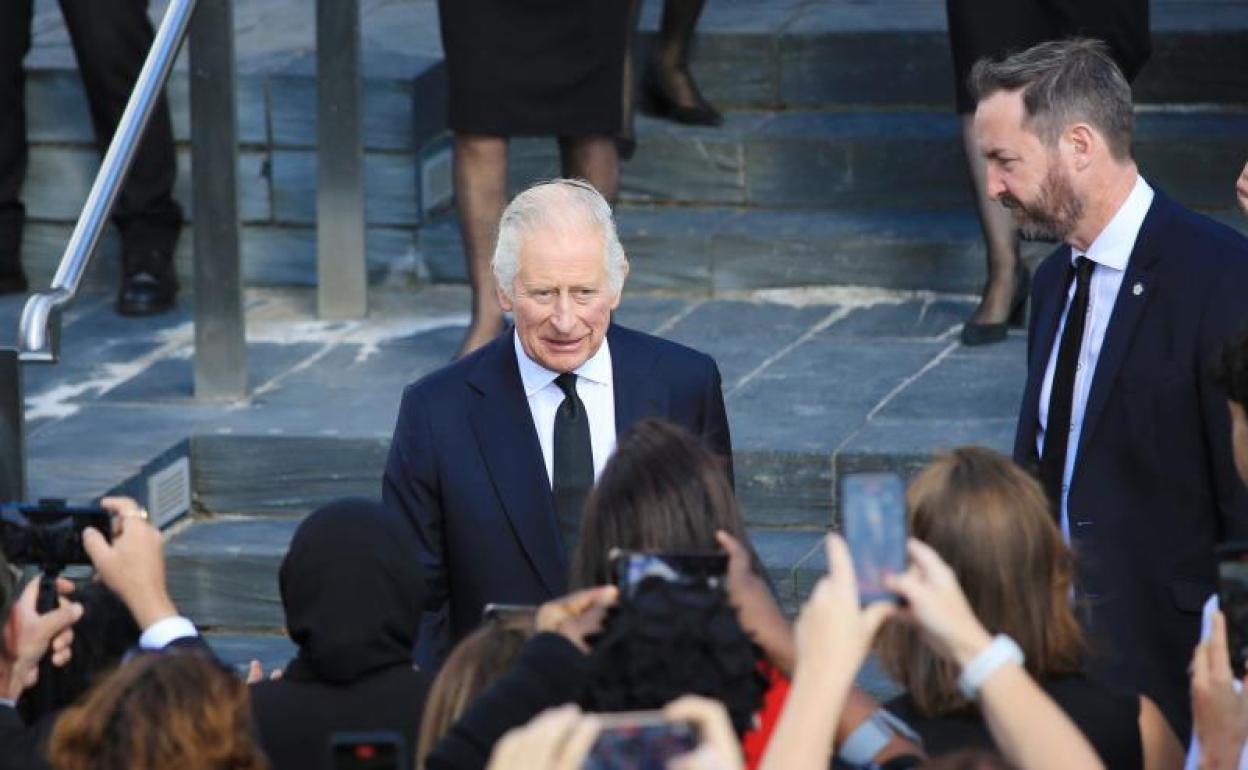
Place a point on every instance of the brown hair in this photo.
(992, 523)
(474, 664)
(169, 711)
(662, 490)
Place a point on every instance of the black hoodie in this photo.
(353, 591)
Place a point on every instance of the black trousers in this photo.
(111, 39)
(993, 28)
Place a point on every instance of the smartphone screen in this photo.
(873, 506)
(367, 751)
(1233, 601)
(639, 741)
(691, 570)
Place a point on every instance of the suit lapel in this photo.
(503, 426)
(1128, 310)
(636, 393)
(1048, 315)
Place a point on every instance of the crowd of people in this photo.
(559, 541)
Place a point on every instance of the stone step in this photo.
(709, 250)
(890, 53)
(223, 574)
(866, 159)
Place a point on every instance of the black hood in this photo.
(353, 591)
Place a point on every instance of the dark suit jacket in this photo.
(466, 468)
(1154, 486)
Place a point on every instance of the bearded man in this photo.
(1121, 416)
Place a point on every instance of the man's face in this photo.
(561, 298)
(1239, 438)
(1025, 176)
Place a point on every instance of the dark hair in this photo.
(1230, 369)
(993, 524)
(1063, 81)
(8, 595)
(662, 490)
(166, 711)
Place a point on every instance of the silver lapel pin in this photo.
(1137, 289)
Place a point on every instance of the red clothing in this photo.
(755, 741)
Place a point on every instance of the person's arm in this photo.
(1219, 713)
(1026, 725)
(833, 637)
(410, 488)
(1162, 750)
(550, 670)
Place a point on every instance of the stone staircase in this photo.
(839, 165)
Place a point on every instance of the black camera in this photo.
(48, 534)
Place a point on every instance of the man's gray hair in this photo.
(1063, 82)
(560, 204)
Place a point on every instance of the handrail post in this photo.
(342, 277)
(12, 428)
(220, 334)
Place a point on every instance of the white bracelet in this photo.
(1000, 651)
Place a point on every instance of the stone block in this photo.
(388, 116)
(259, 474)
(389, 188)
(784, 488)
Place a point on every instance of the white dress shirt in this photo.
(596, 387)
(1110, 252)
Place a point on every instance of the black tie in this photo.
(1062, 397)
(573, 460)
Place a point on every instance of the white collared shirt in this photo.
(1110, 252)
(595, 385)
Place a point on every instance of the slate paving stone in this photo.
(917, 318)
(971, 383)
(816, 396)
(784, 488)
(173, 380)
(238, 650)
(649, 313)
(742, 335)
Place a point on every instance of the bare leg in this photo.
(480, 195)
(1000, 239)
(594, 159)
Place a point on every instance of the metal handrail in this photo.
(38, 337)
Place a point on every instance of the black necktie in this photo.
(573, 460)
(1062, 398)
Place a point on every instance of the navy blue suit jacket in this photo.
(1154, 486)
(466, 469)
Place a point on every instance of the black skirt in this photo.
(994, 28)
(535, 67)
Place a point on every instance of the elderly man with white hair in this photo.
(493, 455)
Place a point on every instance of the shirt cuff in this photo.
(162, 633)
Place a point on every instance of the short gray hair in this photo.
(563, 204)
(1063, 81)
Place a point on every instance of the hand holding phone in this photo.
(639, 740)
(1233, 601)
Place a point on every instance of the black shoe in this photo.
(975, 334)
(658, 102)
(13, 283)
(144, 294)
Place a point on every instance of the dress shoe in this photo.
(657, 100)
(975, 334)
(144, 294)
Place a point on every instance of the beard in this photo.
(1054, 213)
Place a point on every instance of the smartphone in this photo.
(632, 568)
(368, 751)
(1233, 600)
(509, 616)
(49, 533)
(639, 740)
(873, 509)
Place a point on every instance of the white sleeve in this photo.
(162, 633)
(1193, 749)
